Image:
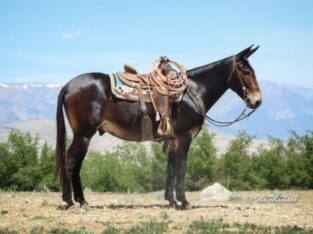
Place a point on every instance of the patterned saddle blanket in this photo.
(126, 91)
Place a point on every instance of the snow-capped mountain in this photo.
(285, 107)
(27, 101)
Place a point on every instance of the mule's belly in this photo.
(130, 133)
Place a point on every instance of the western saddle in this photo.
(164, 83)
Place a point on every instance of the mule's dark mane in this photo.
(210, 80)
(202, 69)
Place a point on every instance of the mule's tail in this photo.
(61, 138)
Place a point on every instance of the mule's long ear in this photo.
(243, 53)
(251, 52)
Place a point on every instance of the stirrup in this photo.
(165, 128)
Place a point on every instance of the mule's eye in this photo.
(245, 69)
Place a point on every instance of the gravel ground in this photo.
(24, 211)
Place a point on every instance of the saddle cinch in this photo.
(164, 83)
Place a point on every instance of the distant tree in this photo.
(24, 165)
(201, 161)
(297, 161)
(101, 173)
(277, 146)
(136, 164)
(128, 168)
(6, 166)
(272, 168)
(23, 171)
(47, 167)
(24, 149)
(236, 163)
(158, 167)
(26, 178)
(307, 141)
(241, 143)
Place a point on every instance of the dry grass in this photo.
(26, 211)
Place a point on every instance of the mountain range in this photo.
(285, 107)
(20, 102)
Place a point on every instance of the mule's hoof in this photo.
(173, 205)
(186, 206)
(61, 207)
(65, 207)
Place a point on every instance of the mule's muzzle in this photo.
(254, 100)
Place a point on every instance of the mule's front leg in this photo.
(182, 147)
(169, 195)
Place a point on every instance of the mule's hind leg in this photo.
(74, 158)
(77, 186)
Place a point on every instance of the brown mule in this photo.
(90, 107)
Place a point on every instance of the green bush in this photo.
(235, 167)
(102, 173)
(158, 167)
(47, 167)
(27, 178)
(201, 161)
(128, 168)
(24, 165)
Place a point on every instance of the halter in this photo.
(200, 105)
(235, 69)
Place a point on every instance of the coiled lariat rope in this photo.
(172, 81)
(168, 78)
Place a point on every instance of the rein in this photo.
(192, 92)
(242, 116)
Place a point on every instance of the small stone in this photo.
(3, 212)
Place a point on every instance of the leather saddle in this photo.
(139, 87)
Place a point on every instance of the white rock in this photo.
(215, 192)
(87, 190)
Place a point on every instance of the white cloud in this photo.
(72, 35)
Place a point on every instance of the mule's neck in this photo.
(211, 80)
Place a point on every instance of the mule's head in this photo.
(242, 79)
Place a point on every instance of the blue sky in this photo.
(53, 41)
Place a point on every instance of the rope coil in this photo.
(168, 77)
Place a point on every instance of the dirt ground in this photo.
(24, 211)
